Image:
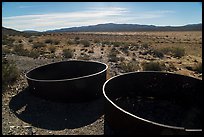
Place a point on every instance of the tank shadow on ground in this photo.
(54, 115)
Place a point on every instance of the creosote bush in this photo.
(38, 45)
(113, 55)
(129, 66)
(86, 43)
(67, 53)
(174, 51)
(152, 66)
(9, 73)
(52, 49)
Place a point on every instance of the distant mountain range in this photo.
(110, 27)
(8, 31)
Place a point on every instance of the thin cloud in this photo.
(90, 16)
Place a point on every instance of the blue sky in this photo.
(43, 16)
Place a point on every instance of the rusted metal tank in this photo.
(153, 103)
(68, 81)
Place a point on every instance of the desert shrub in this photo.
(106, 43)
(9, 73)
(178, 52)
(7, 41)
(157, 53)
(166, 50)
(129, 67)
(38, 45)
(86, 43)
(113, 59)
(174, 51)
(70, 42)
(67, 53)
(198, 68)
(30, 40)
(52, 49)
(76, 38)
(113, 55)
(96, 41)
(49, 41)
(34, 54)
(5, 50)
(145, 45)
(121, 59)
(19, 50)
(152, 66)
(125, 49)
(116, 44)
(56, 42)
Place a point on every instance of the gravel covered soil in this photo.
(26, 114)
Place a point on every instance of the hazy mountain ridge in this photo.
(111, 27)
(129, 27)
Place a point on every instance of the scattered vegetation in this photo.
(96, 41)
(67, 53)
(30, 40)
(7, 41)
(9, 73)
(113, 55)
(106, 43)
(125, 49)
(152, 66)
(34, 53)
(116, 44)
(56, 42)
(76, 38)
(145, 45)
(70, 42)
(5, 50)
(19, 50)
(129, 66)
(52, 49)
(38, 45)
(157, 53)
(178, 52)
(174, 51)
(50, 41)
(86, 43)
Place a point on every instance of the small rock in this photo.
(12, 126)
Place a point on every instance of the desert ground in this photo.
(22, 113)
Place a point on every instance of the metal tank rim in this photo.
(90, 61)
(132, 115)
